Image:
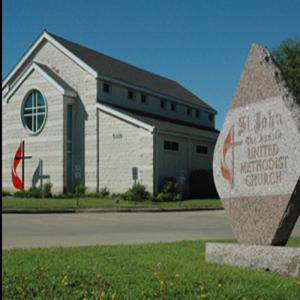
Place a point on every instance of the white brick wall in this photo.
(47, 145)
(118, 156)
(85, 129)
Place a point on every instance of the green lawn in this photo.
(149, 271)
(13, 202)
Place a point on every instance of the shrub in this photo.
(164, 197)
(202, 184)
(80, 189)
(137, 193)
(5, 193)
(104, 192)
(170, 185)
(33, 192)
(169, 191)
(47, 190)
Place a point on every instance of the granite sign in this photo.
(257, 170)
(257, 156)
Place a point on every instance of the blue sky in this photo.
(201, 44)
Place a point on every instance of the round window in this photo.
(34, 112)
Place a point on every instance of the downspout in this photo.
(155, 163)
(98, 150)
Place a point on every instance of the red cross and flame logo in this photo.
(227, 171)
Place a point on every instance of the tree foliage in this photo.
(287, 57)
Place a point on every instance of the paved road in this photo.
(44, 230)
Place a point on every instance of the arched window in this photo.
(34, 112)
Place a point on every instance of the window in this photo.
(130, 95)
(162, 104)
(197, 113)
(201, 149)
(210, 117)
(144, 99)
(188, 111)
(173, 107)
(106, 88)
(34, 112)
(173, 146)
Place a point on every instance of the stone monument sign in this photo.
(257, 156)
(257, 167)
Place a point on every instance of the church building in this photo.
(96, 121)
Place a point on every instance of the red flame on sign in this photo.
(224, 169)
(17, 182)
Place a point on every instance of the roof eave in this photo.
(33, 67)
(48, 37)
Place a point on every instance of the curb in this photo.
(103, 210)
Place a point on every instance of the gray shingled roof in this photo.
(116, 69)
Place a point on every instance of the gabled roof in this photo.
(49, 75)
(106, 67)
(116, 69)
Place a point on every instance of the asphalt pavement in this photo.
(45, 230)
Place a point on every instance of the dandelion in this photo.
(102, 296)
(177, 275)
(98, 275)
(162, 282)
(64, 281)
(155, 274)
(220, 285)
(203, 296)
(113, 296)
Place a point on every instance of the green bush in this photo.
(137, 193)
(169, 191)
(104, 192)
(5, 193)
(164, 197)
(33, 192)
(170, 185)
(80, 189)
(47, 190)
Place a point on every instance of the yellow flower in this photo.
(98, 275)
(65, 280)
(162, 282)
(84, 298)
(102, 296)
(113, 296)
(155, 274)
(203, 296)
(220, 285)
(177, 275)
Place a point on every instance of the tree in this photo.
(287, 57)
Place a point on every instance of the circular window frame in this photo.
(30, 132)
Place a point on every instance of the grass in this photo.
(30, 203)
(149, 271)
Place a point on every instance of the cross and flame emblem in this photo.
(229, 144)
